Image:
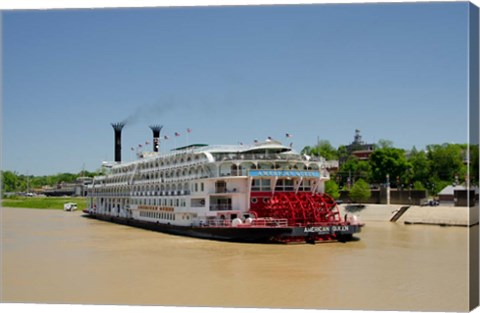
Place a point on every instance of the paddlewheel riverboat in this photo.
(263, 192)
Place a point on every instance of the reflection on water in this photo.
(60, 257)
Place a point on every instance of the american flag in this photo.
(288, 135)
(177, 134)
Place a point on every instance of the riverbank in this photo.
(438, 215)
(52, 203)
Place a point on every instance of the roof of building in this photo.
(450, 189)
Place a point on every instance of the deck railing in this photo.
(259, 222)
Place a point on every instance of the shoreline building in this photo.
(359, 148)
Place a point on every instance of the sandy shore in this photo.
(439, 215)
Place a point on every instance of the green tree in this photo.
(308, 150)
(446, 163)
(322, 149)
(331, 188)
(14, 182)
(418, 186)
(360, 191)
(10, 181)
(38, 181)
(88, 174)
(354, 169)
(342, 153)
(326, 150)
(420, 166)
(384, 143)
(392, 162)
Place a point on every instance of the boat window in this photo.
(261, 185)
(220, 186)
(306, 185)
(284, 185)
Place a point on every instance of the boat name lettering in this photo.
(284, 173)
(156, 208)
(326, 229)
(340, 228)
(320, 229)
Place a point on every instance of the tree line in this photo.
(432, 169)
(14, 182)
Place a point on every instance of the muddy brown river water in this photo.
(60, 257)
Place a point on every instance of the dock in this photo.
(426, 215)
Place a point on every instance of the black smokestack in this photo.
(156, 136)
(117, 128)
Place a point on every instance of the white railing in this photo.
(268, 222)
(258, 222)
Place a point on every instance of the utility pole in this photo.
(388, 189)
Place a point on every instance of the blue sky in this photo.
(231, 74)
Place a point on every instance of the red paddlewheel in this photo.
(302, 208)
